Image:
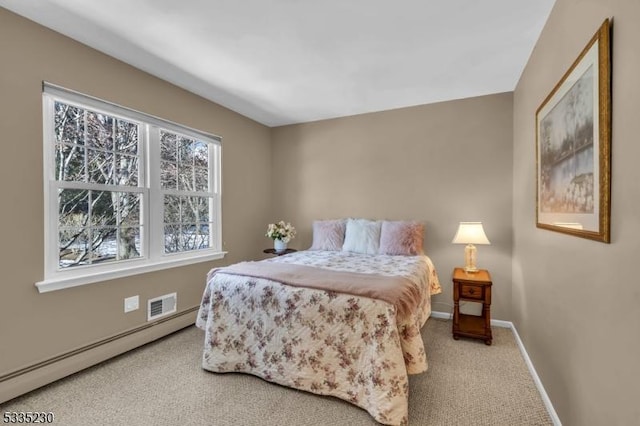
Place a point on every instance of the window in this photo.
(124, 192)
(188, 202)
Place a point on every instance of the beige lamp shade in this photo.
(470, 233)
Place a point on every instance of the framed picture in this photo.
(573, 146)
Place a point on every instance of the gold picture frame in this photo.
(573, 146)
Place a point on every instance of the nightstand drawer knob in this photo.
(471, 291)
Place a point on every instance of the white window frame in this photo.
(152, 255)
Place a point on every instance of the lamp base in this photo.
(470, 255)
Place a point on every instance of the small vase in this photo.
(279, 246)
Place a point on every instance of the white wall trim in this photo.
(441, 315)
(34, 376)
(536, 379)
(130, 269)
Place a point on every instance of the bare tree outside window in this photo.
(185, 182)
(101, 221)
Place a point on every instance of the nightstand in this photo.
(472, 287)
(281, 253)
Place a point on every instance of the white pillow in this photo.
(362, 236)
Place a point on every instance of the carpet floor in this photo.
(162, 383)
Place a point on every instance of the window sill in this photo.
(60, 283)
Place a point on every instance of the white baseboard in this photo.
(17, 384)
(536, 379)
(441, 315)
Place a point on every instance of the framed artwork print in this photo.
(573, 146)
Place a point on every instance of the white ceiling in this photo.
(289, 61)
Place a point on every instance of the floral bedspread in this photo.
(351, 347)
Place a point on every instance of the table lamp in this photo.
(470, 233)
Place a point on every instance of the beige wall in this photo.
(575, 301)
(35, 327)
(440, 163)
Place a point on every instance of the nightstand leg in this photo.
(487, 322)
(456, 312)
(487, 316)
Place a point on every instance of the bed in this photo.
(343, 344)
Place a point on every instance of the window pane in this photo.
(185, 151)
(73, 247)
(189, 209)
(126, 170)
(126, 137)
(100, 130)
(198, 236)
(195, 209)
(68, 123)
(102, 134)
(104, 244)
(195, 237)
(70, 163)
(201, 154)
(171, 209)
(172, 238)
(168, 173)
(202, 214)
(73, 207)
(129, 209)
(101, 167)
(168, 146)
(104, 207)
(185, 178)
(108, 242)
(189, 237)
(129, 243)
(202, 179)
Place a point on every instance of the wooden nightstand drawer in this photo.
(470, 291)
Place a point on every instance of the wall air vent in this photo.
(161, 306)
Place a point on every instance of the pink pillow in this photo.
(328, 235)
(401, 238)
